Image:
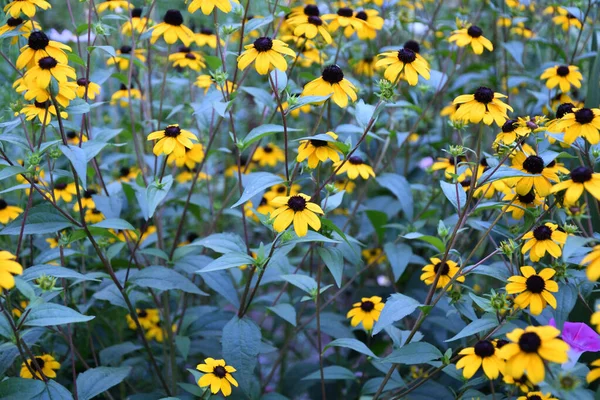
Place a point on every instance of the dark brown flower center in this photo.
(136, 13)
(47, 62)
(355, 160)
(184, 49)
(466, 183)
(564, 109)
(263, 44)
(533, 164)
(501, 343)
(82, 82)
(315, 20)
(406, 56)
(96, 211)
(125, 49)
(311, 10)
(40, 363)
(542, 232)
(345, 12)
(584, 116)
(172, 131)
(444, 266)
(581, 174)
(484, 348)
(60, 186)
(535, 284)
(38, 40)
(43, 105)
(267, 149)
(280, 189)
(89, 193)
(484, 95)
(318, 143)
(297, 203)
(173, 17)
(124, 171)
(530, 342)
(362, 15)
(563, 70)
(71, 135)
(220, 371)
(3, 204)
(13, 22)
(191, 236)
(190, 56)
(367, 306)
(509, 126)
(413, 45)
(142, 314)
(206, 31)
(533, 397)
(368, 59)
(474, 31)
(526, 198)
(333, 74)
(263, 201)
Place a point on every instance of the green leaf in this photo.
(226, 261)
(20, 389)
(303, 282)
(515, 49)
(333, 372)
(56, 271)
(353, 344)
(378, 220)
(502, 172)
(107, 49)
(435, 241)
(78, 107)
(50, 314)
(112, 355)
(222, 243)
(455, 193)
(53, 391)
(241, 346)
(11, 170)
(41, 219)
(285, 311)
(400, 187)
(334, 260)
(255, 183)
(398, 255)
(183, 344)
(474, 327)
(115, 223)
(414, 353)
(304, 100)
(396, 307)
(155, 193)
(98, 380)
(220, 282)
(162, 278)
(566, 297)
(263, 131)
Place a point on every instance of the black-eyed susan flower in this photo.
(137, 23)
(47, 364)
(113, 5)
(367, 312)
(217, 375)
(537, 396)
(172, 29)
(312, 26)
(450, 165)
(266, 53)
(448, 270)
(542, 175)
(450, 111)
(186, 58)
(123, 56)
(39, 46)
(17, 312)
(93, 216)
(46, 69)
(374, 255)
(405, 62)
(528, 350)
(206, 82)
(269, 154)
(42, 111)
(473, 36)
(562, 76)
(282, 190)
(582, 179)
(565, 19)
(207, 6)
(344, 18)
(521, 202)
(300, 13)
(64, 191)
(157, 332)
(332, 82)
(296, 209)
(127, 174)
(315, 150)
(189, 238)
(521, 30)
(206, 37)
(8, 212)
(542, 239)
(344, 184)
(147, 317)
(172, 139)
(264, 208)
(483, 355)
(353, 167)
(592, 259)
(594, 372)
(484, 105)
(373, 23)
(581, 122)
(27, 7)
(123, 96)
(535, 289)
(187, 175)
(192, 156)
(8, 267)
(511, 131)
(21, 25)
(87, 199)
(366, 66)
(67, 91)
(295, 113)
(523, 383)
(86, 87)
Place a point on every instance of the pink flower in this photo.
(581, 338)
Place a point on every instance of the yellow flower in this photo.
(522, 30)
(206, 81)
(354, 166)
(281, 190)
(471, 36)
(344, 18)
(67, 91)
(39, 46)
(47, 364)
(537, 396)
(172, 28)
(64, 191)
(206, 37)
(542, 239)
(542, 175)
(113, 5)
(93, 216)
(311, 26)
(122, 95)
(124, 55)
(18, 312)
(136, 23)
(87, 87)
(264, 207)
(594, 373)
(593, 269)
(521, 202)
(485, 354)
(147, 318)
(523, 382)
(43, 111)
(449, 270)
(27, 7)
(405, 62)
(298, 210)
(484, 105)
(450, 111)
(366, 66)
(46, 69)
(366, 311)
(185, 57)
(373, 256)
(373, 23)
(344, 184)
(566, 19)
(511, 131)
(172, 140)
(582, 178)
(127, 174)
(269, 154)
(595, 319)
(534, 289)
(217, 375)
(87, 200)
(21, 25)
(504, 22)
(8, 212)
(8, 268)
(563, 76)
(318, 150)
(192, 156)
(528, 350)
(581, 122)
(157, 332)
(265, 53)
(332, 82)
(207, 6)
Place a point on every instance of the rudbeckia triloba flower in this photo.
(332, 82)
(366, 311)
(124, 55)
(511, 131)
(147, 318)
(581, 122)
(318, 150)
(593, 269)
(485, 354)
(127, 173)
(8, 212)
(372, 256)
(562, 76)
(113, 5)
(157, 332)
(47, 364)
(264, 207)
(535, 165)
(137, 23)
(373, 23)
(405, 62)
(43, 111)
(473, 36)
(537, 396)
(217, 375)
(67, 91)
(484, 105)
(265, 52)
(207, 37)
(354, 166)
(122, 95)
(298, 210)
(172, 139)
(87, 200)
(269, 154)
(312, 26)
(172, 28)
(528, 350)
(46, 69)
(23, 26)
(365, 66)
(93, 216)
(206, 82)
(207, 6)
(450, 165)
(191, 157)
(8, 268)
(534, 289)
(185, 57)
(582, 178)
(594, 372)
(542, 239)
(523, 383)
(450, 111)
(27, 7)
(449, 269)
(344, 184)
(39, 46)
(345, 18)
(84, 86)
(521, 202)
(64, 191)
(281, 190)
(566, 19)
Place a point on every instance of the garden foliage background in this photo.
(291, 200)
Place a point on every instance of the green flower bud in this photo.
(55, 152)
(386, 90)
(46, 283)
